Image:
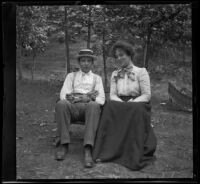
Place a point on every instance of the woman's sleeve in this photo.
(113, 88)
(145, 87)
(100, 99)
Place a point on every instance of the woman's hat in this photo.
(86, 53)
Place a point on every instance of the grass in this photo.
(36, 133)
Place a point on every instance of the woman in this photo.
(125, 135)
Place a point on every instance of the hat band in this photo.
(85, 52)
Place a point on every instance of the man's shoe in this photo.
(88, 164)
(61, 152)
(88, 158)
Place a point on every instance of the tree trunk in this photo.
(19, 51)
(33, 65)
(165, 60)
(89, 27)
(183, 49)
(67, 66)
(104, 58)
(19, 64)
(32, 72)
(146, 50)
(145, 54)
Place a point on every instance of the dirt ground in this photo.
(36, 132)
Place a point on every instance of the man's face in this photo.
(86, 64)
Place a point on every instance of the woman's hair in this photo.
(127, 47)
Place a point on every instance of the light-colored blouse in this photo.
(136, 85)
(83, 83)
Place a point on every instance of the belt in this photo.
(127, 98)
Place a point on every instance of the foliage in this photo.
(32, 27)
(56, 79)
(55, 18)
(97, 49)
(77, 20)
(167, 25)
(61, 37)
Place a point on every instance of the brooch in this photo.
(131, 76)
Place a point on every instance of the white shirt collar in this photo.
(83, 73)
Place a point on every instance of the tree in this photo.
(76, 19)
(55, 19)
(89, 27)
(67, 66)
(18, 47)
(150, 27)
(101, 27)
(151, 22)
(31, 31)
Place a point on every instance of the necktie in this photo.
(127, 70)
(85, 74)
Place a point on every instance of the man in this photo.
(81, 96)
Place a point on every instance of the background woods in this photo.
(161, 34)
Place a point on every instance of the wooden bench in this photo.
(80, 122)
(75, 139)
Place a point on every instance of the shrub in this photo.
(56, 79)
(61, 39)
(97, 49)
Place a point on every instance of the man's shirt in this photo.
(83, 83)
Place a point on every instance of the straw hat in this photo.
(86, 53)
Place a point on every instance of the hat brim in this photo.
(86, 55)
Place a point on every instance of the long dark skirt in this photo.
(125, 135)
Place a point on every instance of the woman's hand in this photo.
(131, 100)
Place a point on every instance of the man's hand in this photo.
(75, 98)
(85, 99)
(80, 98)
(70, 97)
(93, 94)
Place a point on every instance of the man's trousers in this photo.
(66, 112)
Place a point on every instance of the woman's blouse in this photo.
(134, 82)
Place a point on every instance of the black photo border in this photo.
(9, 92)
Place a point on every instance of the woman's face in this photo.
(122, 59)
